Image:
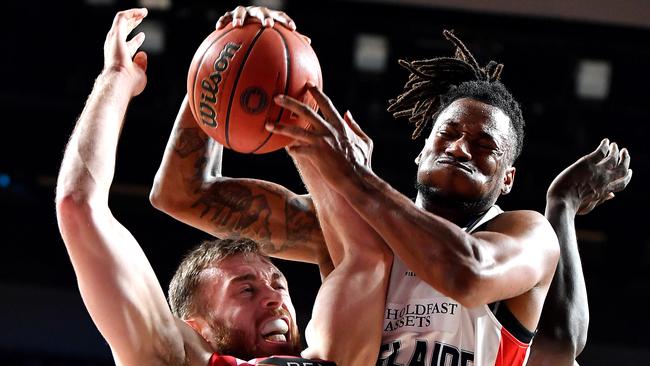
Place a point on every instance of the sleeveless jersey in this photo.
(424, 327)
(220, 360)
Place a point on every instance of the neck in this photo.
(455, 209)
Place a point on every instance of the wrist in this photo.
(562, 203)
(118, 78)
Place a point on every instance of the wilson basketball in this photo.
(234, 75)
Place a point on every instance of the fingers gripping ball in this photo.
(234, 75)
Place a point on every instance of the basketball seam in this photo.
(286, 87)
(234, 86)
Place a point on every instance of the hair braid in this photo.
(432, 78)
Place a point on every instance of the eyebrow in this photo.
(252, 277)
(485, 135)
(244, 278)
(455, 124)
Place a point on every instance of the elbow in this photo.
(461, 281)
(156, 196)
(170, 197)
(463, 273)
(72, 202)
(72, 211)
(160, 198)
(563, 331)
(465, 286)
(579, 338)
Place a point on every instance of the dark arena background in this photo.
(579, 68)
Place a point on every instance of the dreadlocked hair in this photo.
(434, 83)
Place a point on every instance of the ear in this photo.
(201, 327)
(508, 180)
(417, 159)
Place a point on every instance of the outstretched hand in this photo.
(334, 144)
(593, 179)
(120, 55)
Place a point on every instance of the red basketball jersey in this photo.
(219, 360)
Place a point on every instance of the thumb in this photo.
(600, 153)
(354, 125)
(140, 59)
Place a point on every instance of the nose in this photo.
(459, 148)
(271, 298)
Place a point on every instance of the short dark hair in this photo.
(184, 287)
(436, 83)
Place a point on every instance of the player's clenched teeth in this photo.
(275, 330)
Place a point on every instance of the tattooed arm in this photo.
(189, 187)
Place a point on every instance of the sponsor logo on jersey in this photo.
(441, 355)
(421, 315)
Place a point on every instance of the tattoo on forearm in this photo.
(189, 140)
(301, 221)
(199, 168)
(232, 206)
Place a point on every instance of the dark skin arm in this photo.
(577, 190)
(514, 257)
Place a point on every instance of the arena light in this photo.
(155, 4)
(271, 4)
(370, 52)
(593, 78)
(154, 31)
(100, 2)
(5, 180)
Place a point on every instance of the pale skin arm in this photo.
(577, 190)
(116, 281)
(189, 185)
(517, 254)
(355, 292)
(190, 173)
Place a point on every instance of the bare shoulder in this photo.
(527, 225)
(525, 219)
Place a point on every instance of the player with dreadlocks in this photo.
(468, 281)
(433, 84)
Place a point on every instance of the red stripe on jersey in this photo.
(512, 352)
(218, 360)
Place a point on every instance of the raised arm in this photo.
(189, 187)
(577, 190)
(516, 253)
(116, 281)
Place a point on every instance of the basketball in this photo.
(234, 75)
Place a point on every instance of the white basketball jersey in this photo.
(424, 327)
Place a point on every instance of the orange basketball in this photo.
(234, 75)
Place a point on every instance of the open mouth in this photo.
(276, 330)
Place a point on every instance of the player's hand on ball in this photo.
(361, 143)
(266, 16)
(336, 145)
(121, 55)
